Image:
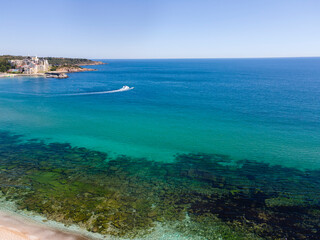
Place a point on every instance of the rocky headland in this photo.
(92, 63)
(56, 67)
(71, 69)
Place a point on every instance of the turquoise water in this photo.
(199, 149)
(260, 109)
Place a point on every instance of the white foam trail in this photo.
(123, 89)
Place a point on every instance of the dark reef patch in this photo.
(210, 195)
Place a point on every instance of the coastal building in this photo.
(31, 65)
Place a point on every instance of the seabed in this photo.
(198, 196)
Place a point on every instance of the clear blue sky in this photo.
(160, 28)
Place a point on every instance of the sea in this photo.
(263, 112)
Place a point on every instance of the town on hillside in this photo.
(11, 66)
(29, 65)
(33, 66)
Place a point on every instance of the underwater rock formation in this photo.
(206, 195)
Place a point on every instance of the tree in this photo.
(4, 65)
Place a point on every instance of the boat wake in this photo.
(123, 89)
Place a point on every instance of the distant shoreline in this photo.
(64, 70)
(20, 66)
(22, 75)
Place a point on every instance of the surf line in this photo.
(123, 89)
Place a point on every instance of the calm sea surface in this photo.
(259, 109)
(199, 149)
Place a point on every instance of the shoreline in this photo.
(22, 75)
(8, 75)
(73, 70)
(95, 63)
(25, 225)
(16, 227)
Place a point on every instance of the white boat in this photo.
(126, 88)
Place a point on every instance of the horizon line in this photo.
(201, 58)
(168, 58)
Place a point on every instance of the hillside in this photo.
(58, 61)
(4, 65)
(72, 61)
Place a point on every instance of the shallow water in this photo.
(171, 130)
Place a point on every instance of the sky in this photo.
(125, 29)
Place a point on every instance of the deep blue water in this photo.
(260, 109)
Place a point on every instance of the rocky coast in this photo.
(27, 66)
(59, 73)
(71, 69)
(93, 63)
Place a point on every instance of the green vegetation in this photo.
(69, 61)
(69, 66)
(63, 67)
(10, 57)
(4, 65)
(54, 61)
(53, 68)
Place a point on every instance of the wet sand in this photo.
(16, 227)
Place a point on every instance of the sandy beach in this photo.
(17, 227)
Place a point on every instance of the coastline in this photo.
(25, 225)
(18, 224)
(17, 227)
(61, 65)
(94, 63)
(21, 75)
(72, 69)
(65, 70)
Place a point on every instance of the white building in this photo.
(31, 65)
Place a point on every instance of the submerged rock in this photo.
(206, 195)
